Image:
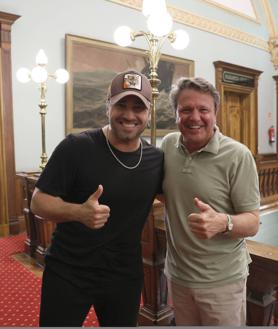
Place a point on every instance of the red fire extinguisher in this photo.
(271, 134)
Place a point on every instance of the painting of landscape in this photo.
(93, 64)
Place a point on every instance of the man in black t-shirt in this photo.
(98, 187)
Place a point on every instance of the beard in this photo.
(126, 137)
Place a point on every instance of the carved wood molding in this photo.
(204, 24)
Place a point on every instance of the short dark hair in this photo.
(199, 84)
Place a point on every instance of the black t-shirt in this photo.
(77, 166)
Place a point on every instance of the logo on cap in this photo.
(132, 81)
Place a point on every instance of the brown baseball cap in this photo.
(130, 83)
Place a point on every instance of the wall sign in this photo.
(238, 79)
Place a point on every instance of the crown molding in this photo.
(204, 24)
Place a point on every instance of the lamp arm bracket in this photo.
(134, 35)
(42, 89)
(172, 37)
(155, 49)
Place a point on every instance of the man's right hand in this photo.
(94, 215)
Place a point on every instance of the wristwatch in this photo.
(230, 224)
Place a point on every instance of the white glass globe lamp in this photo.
(181, 40)
(160, 23)
(41, 58)
(23, 75)
(122, 36)
(61, 75)
(39, 74)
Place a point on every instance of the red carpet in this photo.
(20, 289)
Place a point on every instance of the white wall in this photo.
(43, 24)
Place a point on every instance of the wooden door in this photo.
(237, 116)
(237, 112)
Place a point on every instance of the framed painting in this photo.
(92, 65)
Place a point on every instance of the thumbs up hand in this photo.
(93, 214)
(207, 223)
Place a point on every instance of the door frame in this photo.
(7, 157)
(251, 91)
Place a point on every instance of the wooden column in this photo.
(4, 218)
(155, 309)
(7, 162)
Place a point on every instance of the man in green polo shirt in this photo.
(212, 198)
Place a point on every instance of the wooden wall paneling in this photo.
(267, 166)
(275, 182)
(7, 137)
(31, 242)
(4, 218)
(271, 181)
(268, 180)
(44, 229)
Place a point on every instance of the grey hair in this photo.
(199, 84)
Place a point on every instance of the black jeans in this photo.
(65, 305)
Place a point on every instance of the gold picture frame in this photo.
(92, 65)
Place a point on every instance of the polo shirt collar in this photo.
(211, 147)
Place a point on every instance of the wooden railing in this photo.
(39, 232)
(267, 166)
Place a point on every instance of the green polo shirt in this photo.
(223, 174)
